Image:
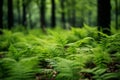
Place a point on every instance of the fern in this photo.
(101, 58)
(74, 55)
(23, 69)
(66, 69)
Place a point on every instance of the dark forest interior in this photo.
(59, 39)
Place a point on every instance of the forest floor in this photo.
(76, 54)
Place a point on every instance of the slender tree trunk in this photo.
(69, 17)
(10, 14)
(116, 13)
(73, 13)
(24, 18)
(63, 14)
(1, 15)
(82, 17)
(42, 13)
(104, 19)
(53, 15)
(119, 13)
(18, 10)
(74, 18)
(68, 14)
(90, 15)
(30, 20)
(89, 18)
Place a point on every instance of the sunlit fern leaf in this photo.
(24, 69)
(66, 69)
(5, 67)
(98, 70)
(16, 52)
(80, 60)
(17, 37)
(81, 45)
(79, 32)
(85, 41)
(91, 31)
(113, 42)
(111, 76)
(5, 40)
(101, 57)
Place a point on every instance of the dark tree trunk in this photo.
(90, 14)
(119, 12)
(1, 15)
(53, 15)
(63, 14)
(73, 13)
(82, 18)
(116, 13)
(42, 13)
(10, 14)
(89, 18)
(68, 14)
(18, 10)
(73, 18)
(104, 19)
(30, 20)
(24, 18)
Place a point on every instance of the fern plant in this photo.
(98, 73)
(74, 55)
(66, 69)
(19, 70)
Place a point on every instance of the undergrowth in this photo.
(75, 54)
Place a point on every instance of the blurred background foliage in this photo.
(59, 40)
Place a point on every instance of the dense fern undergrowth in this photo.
(76, 54)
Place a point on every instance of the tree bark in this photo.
(73, 13)
(42, 15)
(82, 18)
(104, 18)
(90, 14)
(89, 18)
(116, 13)
(24, 18)
(10, 14)
(18, 11)
(63, 14)
(1, 15)
(30, 20)
(68, 14)
(53, 15)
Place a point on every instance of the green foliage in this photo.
(99, 73)
(66, 69)
(75, 54)
(17, 70)
(112, 43)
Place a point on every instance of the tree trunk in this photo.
(18, 10)
(10, 14)
(68, 14)
(90, 15)
(24, 19)
(73, 13)
(89, 18)
(42, 13)
(116, 13)
(82, 18)
(104, 19)
(74, 18)
(1, 15)
(30, 20)
(53, 15)
(63, 14)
